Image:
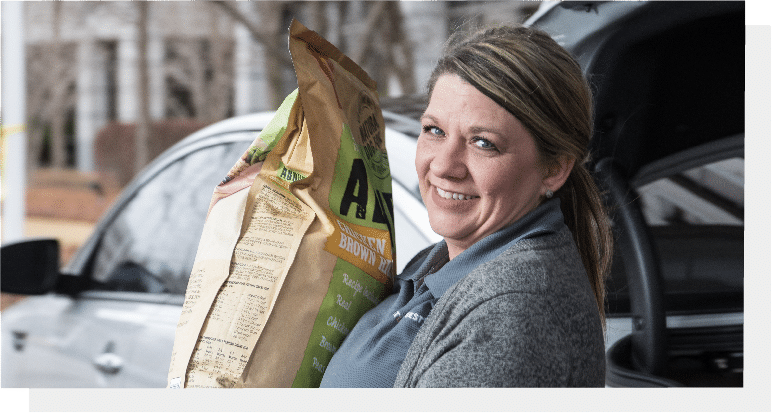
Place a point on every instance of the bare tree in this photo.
(270, 24)
(342, 9)
(199, 75)
(141, 155)
(259, 33)
(38, 98)
(379, 45)
(58, 142)
(51, 77)
(319, 16)
(182, 71)
(401, 60)
(383, 48)
(220, 65)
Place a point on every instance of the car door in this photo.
(120, 331)
(147, 253)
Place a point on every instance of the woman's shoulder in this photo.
(517, 301)
(533, 264)
(532, 274)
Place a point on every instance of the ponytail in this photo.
(585, 214)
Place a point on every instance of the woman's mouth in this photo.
(453, 195)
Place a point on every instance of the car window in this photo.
(711, 194)
(151, 245)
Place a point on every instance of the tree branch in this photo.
(260, 37)
(373, 16)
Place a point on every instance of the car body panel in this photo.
(65, 339)
(97, 338)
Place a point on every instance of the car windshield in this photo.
(151, 245)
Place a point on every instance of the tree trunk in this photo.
(374, 16)
(383, 49)
(403, 65)
(58, 141)
(319, 16)
(220, 56)
(270, 13)
(196, 63)
(260, 33)
(141, 156)
(342, 16)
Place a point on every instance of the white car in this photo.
(108, 318)
(669, 143)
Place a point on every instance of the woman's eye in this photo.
(483, 143)
(433, 130)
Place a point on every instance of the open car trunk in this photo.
(668, 80)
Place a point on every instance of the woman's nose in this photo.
(448, 160)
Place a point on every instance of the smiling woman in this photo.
(478, 167)
(513, 295)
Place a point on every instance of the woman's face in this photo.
(477, 166)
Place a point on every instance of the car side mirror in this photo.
(29, 267)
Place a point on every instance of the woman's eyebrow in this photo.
(481, 129)
(430, 118)
(474, 129)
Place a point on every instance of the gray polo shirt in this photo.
(373, 352)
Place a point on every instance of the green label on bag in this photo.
(351, 294)
(355, 194)
(288, 174)
(361, 241)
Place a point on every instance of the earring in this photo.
(549, 194)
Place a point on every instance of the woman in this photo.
(514, 294)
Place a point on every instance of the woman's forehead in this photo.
(454, 99)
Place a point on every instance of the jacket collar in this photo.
(544, 219)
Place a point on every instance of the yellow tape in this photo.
(11, 130)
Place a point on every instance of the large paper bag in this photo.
(299, 239)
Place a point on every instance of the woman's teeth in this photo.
(452, 195)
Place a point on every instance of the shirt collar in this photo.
(544, 219)
(436, 259)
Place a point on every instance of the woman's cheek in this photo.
(422, 158)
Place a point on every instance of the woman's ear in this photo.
(558, 172)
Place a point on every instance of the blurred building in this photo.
(209, 61)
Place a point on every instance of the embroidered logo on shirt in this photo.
(411, 316)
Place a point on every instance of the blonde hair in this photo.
(525, 71)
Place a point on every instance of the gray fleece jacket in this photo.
(531, 308)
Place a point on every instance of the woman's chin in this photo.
(450, 228)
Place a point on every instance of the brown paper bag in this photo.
(298, 243)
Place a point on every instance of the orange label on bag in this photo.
(367, 248)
